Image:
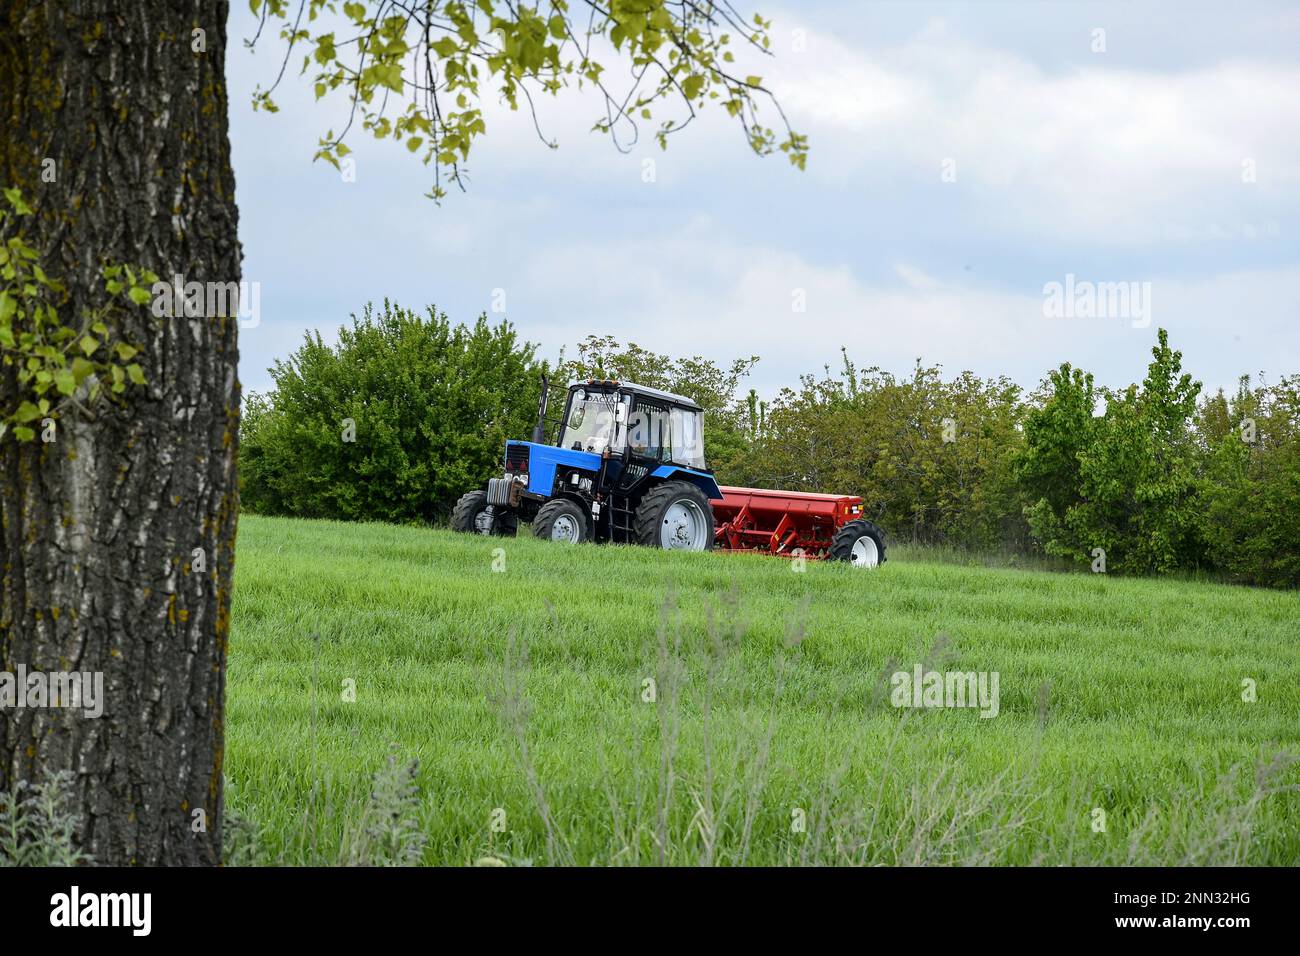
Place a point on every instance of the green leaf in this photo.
(23, 433)
(139, 295)
(8, 306)
(15, 197)
(135, 373)
(88, 344)
(391, 77)
(26, 412)
(124, 351)
(65, 381)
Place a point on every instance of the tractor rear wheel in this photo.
(860, 543)
(675, 516)
(471, 516)
(560, 520)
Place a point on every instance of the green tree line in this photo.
(409, 410)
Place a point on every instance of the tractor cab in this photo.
(635, 422)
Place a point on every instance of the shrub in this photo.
(1249, 493)
(393, 423)
(1134, 470)
(932, 458)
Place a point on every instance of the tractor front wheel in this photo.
(560, 520)
(860, 543)
(675, 516)
(471, 515)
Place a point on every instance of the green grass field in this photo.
(1122, 734)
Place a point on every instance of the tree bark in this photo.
(99, 528)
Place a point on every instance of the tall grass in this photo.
(38, 824)
(618, 706)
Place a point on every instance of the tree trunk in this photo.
(100, 527)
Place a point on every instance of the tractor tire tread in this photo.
(469, 505)
(649, 512)
(843, 540)
(548, 512)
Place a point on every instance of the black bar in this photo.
(944, 906)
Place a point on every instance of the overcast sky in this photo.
(963, 156)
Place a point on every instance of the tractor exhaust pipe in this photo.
(539, 430)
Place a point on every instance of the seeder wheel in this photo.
(860, 543)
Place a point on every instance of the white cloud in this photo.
(690, 294)
(1098, 153)
(914, 277)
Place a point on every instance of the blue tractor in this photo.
(627, 467)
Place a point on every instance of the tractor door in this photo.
(665, 434)
(649, 438)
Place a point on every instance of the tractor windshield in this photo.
(591, 422)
